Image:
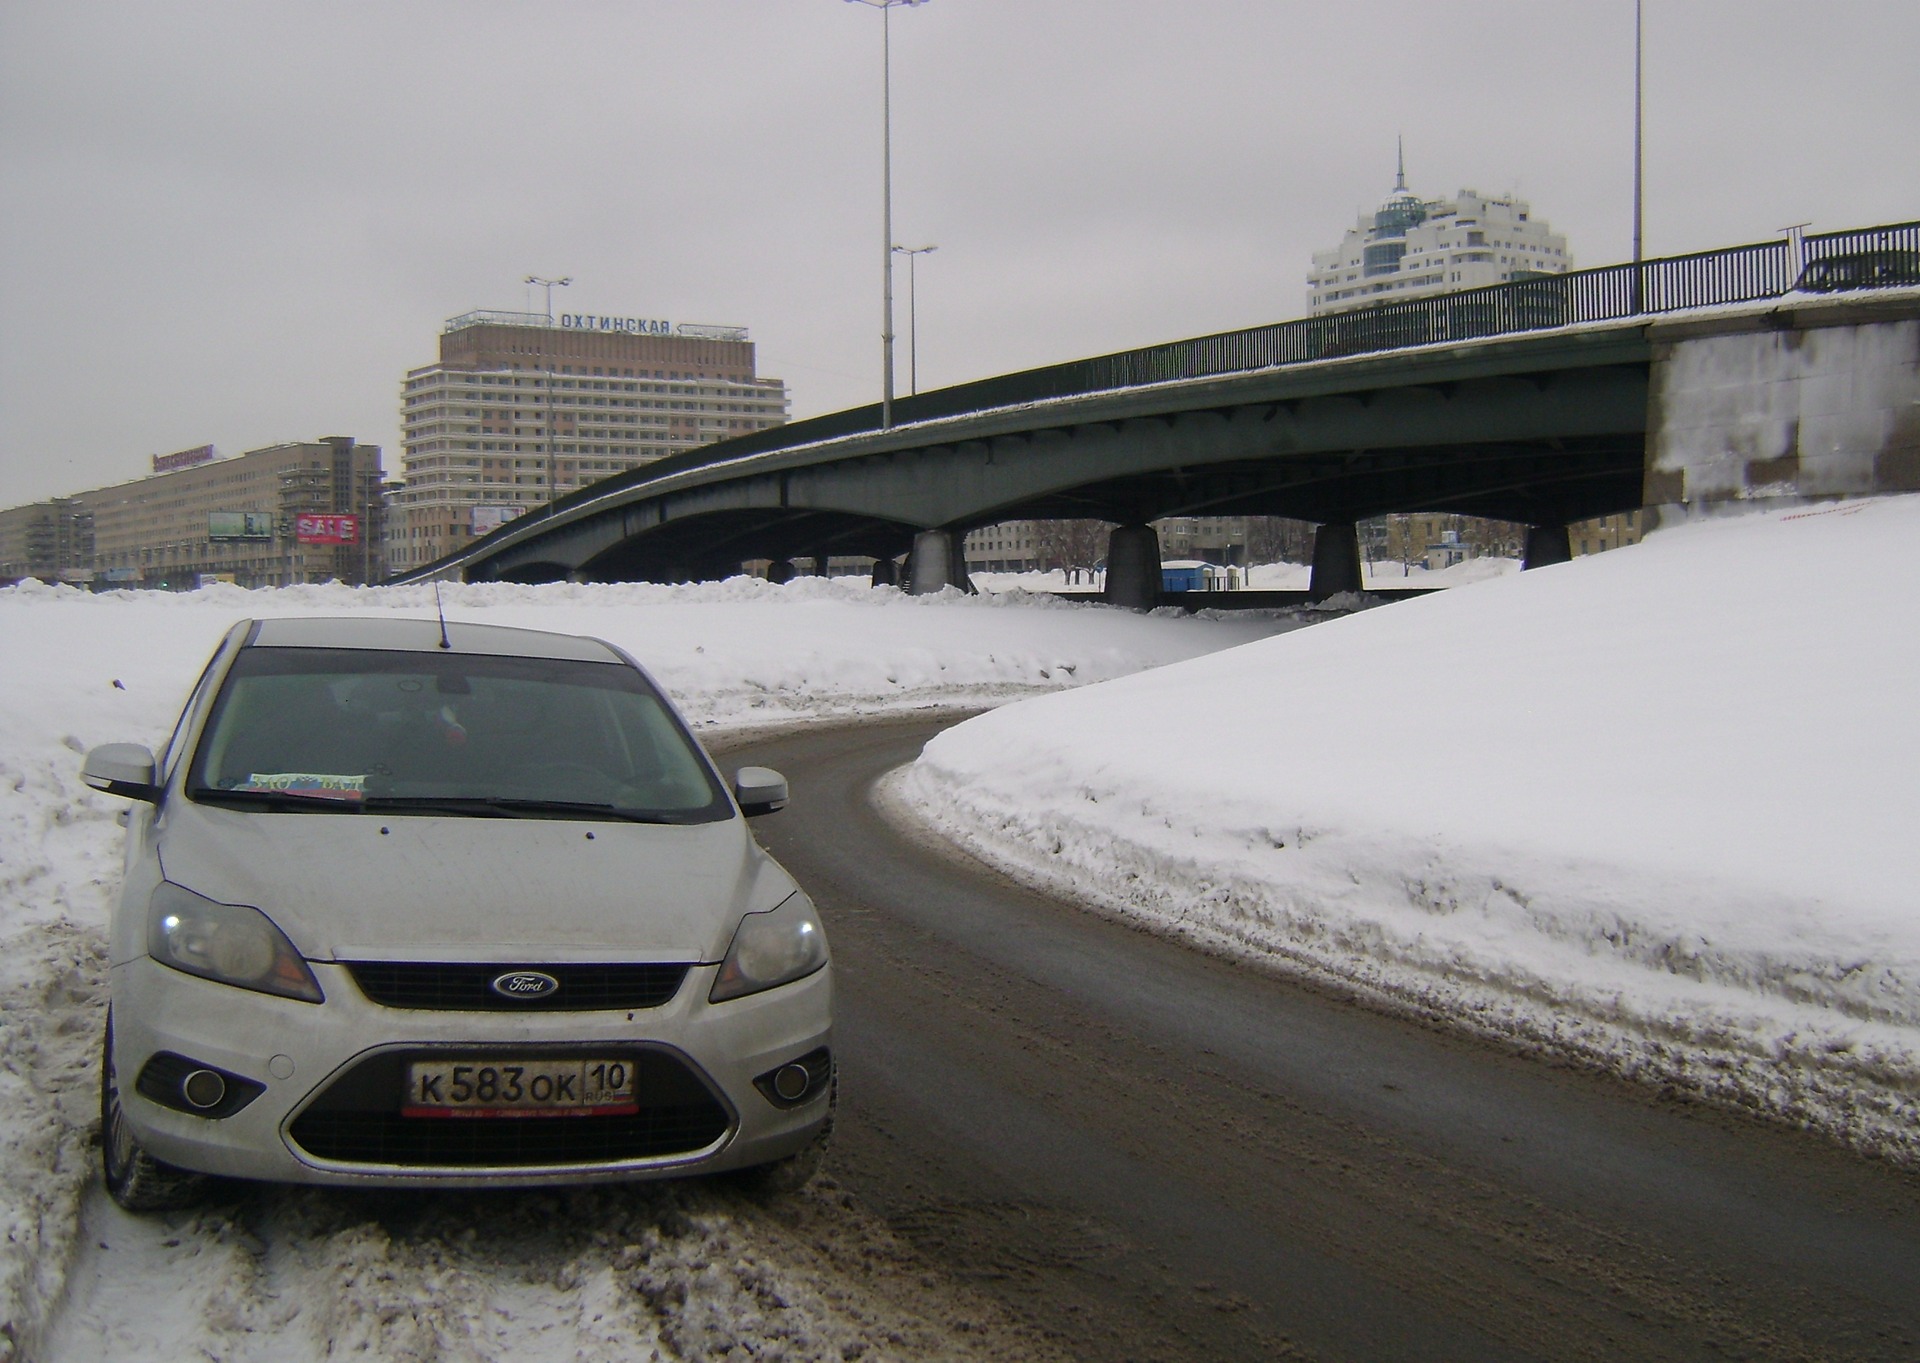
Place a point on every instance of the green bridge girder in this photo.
(1538, 428)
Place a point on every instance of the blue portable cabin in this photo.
(1197, 575)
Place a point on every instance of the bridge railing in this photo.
(1736, 274)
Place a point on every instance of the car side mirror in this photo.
(760, 790)
(121, 769)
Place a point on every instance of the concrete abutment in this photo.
(1336, 560)
(1133, 567)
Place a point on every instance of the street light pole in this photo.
(913, 315)
(1639, 300)
(546, 365)
(886, 202)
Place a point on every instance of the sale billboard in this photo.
(313, 527)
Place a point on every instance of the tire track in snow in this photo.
(660, 1271)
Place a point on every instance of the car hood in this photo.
(371, 887)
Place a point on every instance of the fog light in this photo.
(791, 1082)
(204, 1089)
(798, 1081)
(188, 1085)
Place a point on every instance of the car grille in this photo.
(357, 1121)
(468, 987)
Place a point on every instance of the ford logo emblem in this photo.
(524, 984)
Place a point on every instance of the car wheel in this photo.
(786, 1176)
(135, 1179)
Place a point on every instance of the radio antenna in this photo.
(441, 611)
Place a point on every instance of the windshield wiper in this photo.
(508, 807)
(276, 800)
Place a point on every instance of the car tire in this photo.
(784, 1177)
(135, 1179)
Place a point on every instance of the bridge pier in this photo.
(886, 573)
(1133, 567)
(1546, 544)
(782, 570)
(939, 559)
(1336, 560)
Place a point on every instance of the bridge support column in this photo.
(1133, 567)
(1336, 560)
(886, 573)
(1546, 544)
(782, 570)
(930, 565)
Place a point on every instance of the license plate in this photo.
(519, 1088)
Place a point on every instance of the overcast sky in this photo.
(242, 222)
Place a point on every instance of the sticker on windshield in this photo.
(318, 784)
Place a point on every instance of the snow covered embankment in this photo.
(1651, 810)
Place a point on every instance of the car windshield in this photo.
(362, 730)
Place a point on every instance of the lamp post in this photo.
(546, 365)
(913, 315)
(1639, 298)
(886, 202)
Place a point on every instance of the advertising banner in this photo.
(487, 519)
(239, 525)
(182, 459)
(312, 527)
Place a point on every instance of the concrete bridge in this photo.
(1795, 395)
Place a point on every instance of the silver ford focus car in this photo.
(409, 903)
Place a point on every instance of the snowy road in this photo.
(1144, 1152)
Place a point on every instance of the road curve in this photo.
(1147, 1153)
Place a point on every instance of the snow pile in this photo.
(1651, 809)
(743, 651)
(77, 670)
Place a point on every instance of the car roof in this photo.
(424, 636)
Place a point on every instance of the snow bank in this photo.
(78, 670)
(1651, 808)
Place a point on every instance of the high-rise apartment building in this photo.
(522, 408)
(1415, 248)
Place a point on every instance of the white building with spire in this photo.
(1414, 248)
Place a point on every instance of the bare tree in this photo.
(1278, 539)
(1070, 544)
(1492, 539)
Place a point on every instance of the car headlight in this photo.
(772, 948)
(230, 943)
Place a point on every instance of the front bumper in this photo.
(328, 1107)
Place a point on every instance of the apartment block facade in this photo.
(51, 541)
(310, 511)
(522, 408)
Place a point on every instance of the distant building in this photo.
(50, 541)
(1604, 533)
(303, 512)
(1009, 547)
(1414, 248)
(1040, 546)
(519, 410)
